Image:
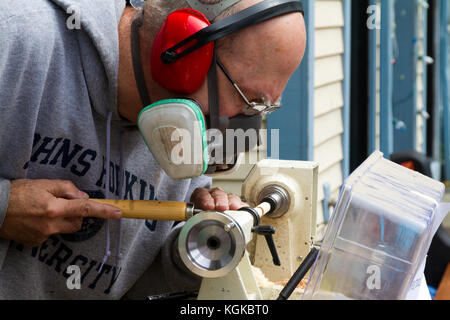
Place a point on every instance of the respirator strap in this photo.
(215, 120)
(137, 62)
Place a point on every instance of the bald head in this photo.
(284, 35)
(260, 58)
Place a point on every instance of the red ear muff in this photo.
(187, 74)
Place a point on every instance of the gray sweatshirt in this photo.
(58, 84)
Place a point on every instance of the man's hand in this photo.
(216, 199)
(38, 209)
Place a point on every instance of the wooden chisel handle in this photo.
(152, 209)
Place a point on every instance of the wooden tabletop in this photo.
(443, 292)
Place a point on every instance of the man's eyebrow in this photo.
(255, 93)
(258, 95)
(250, 92)
(264, 99)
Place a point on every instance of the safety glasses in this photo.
(252, 108)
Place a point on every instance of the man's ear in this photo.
(183, 74)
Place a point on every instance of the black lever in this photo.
(268, 232)
(299, 274)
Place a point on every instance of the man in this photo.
(69, 103)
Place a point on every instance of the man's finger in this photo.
(234, 202)
(65, 189)
(202, 199)
(220, 199)
(70, 225)
(82, 208)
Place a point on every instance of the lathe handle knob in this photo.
(268, 232)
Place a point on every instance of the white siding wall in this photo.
(328, 98)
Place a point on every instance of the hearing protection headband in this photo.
(253, 15)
